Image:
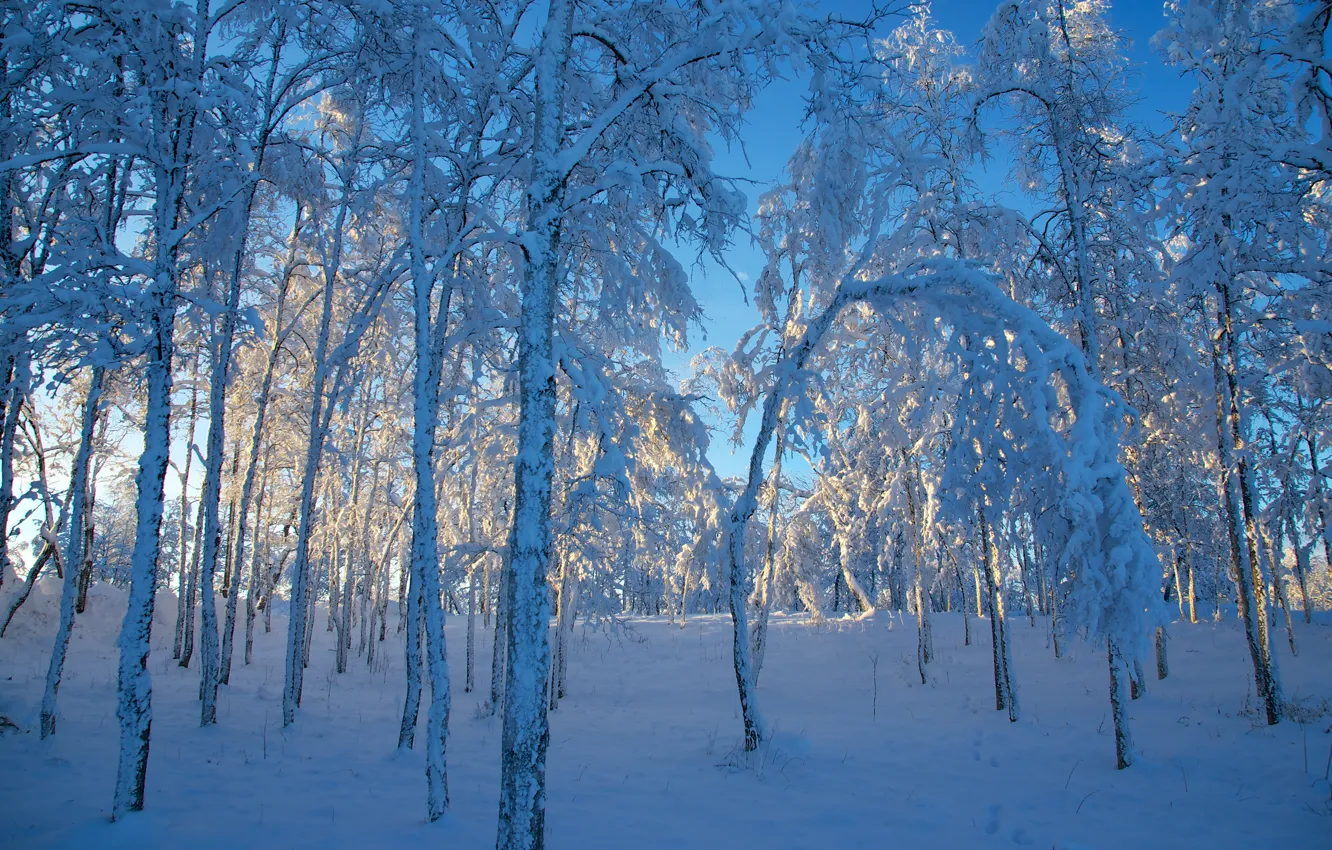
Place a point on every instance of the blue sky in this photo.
(773, 131)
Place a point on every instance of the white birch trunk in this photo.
(294, 665)
(526, 731)
(759, 637)
(1119, 709)
(209, 650)
(1241, 550)
(79, 490)
(12, 393)
(411, 705)
(134, 687)
(256, 581)
(184, 537)
(470, 681)
(1005, 695)
(425, 564)
(192, 589)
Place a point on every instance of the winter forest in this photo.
(382, 463)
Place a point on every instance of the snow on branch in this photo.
(1060, 433)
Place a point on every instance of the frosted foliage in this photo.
(1018, 368)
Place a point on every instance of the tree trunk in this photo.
(1277, 542)
(924, 639)
(12, 395)
(526, 730)
(185, 534)
(80, 486)
(429, 336)
(192, 590)
(88, 532)
(763, 591)
(470, 677)
(134, 682)
(344, 624)
(966, 608)
(411, 706)
(22, 596)
(1237, 526)
(569, 591)
(497, 651)
(294, 664)
(1119, 709)
(210, 656)
(255, 588)
(1301, 566)
(1004, 692)
(1162, 661)
(1323, 530)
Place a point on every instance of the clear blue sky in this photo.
(773, 131)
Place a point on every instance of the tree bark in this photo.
(12, 394)
(526, 730)
(185, 534)
(1119, 709)
(1005, 695)
(79, 489)
(1233, 491)
(134, 682)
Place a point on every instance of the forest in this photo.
(355, 346)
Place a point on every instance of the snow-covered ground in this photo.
(643, 750)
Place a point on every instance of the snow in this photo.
(645, 747)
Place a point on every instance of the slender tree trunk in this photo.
(429, 335)
(1162, 660)
(411, 706)
(1177, 583)
(485, 595)
(88, 531)
(1043, 587)
(366, 588)
(79, 489)
(311, 608)
(1119, 709)
(1237, 525)
(22, 596)
(557, 649)
(343, 619)
(1193, 591)
(569, 591)
(966, 607)
(924, 637)
(255, 588)
(1323, 531)
(183, 600)
(1005, 695)
(210, 655)
(231, 584)
(470, 680)
(497, 651)
(12, 395)
(192, 590)
(864, 604)
(1277, 542)
(294, 665)
(759, 638)
(1301, 565)
(980, 596)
